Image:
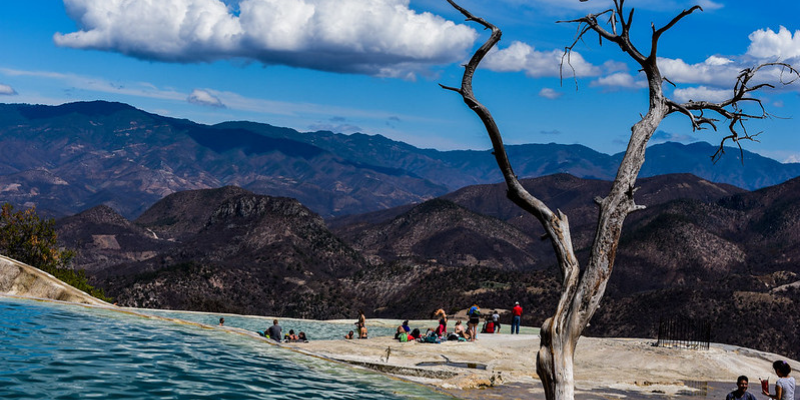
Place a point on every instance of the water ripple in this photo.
(54, 351)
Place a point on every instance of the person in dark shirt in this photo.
(274, 331)
(741, 392)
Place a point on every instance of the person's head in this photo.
(782, 368)
(516, 303)
(222, 321)
(302, 335)
(291, 331)
(350, 333)
(405, 323)
(742, 383)
(274, 322)
(458, 322)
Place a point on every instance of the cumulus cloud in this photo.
(205, 98)
(549, 93)
(768, 44)
(714, 70)
(6, 90)
(522, 57)
(701, 93)
(376, 37)
(620, 80)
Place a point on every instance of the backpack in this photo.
(474, 312)
(431, 339)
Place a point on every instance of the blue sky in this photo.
(374, 66)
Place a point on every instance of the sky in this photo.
(374, 66)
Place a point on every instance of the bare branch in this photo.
(657, 33)
(557, 228)
(731, 109)
(457, 90)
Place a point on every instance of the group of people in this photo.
(460, 332)
(784, 386)
(274, 332)
(405, 333)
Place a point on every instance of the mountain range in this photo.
(250, 218)
(68, 158)
(700, 250)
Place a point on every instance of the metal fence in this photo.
(683, 332)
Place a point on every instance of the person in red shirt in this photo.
(516, 315)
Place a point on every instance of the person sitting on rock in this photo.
(402, 329)
(460, 330)
(488, 325)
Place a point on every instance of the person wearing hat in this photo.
(516, 315)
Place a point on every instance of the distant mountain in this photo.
(68, 158)
(72, 157)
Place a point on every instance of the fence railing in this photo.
(684, 333)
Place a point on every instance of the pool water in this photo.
(58, 351)
(315, 330)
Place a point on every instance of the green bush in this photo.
(27, 238)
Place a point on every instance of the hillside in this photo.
(699, 250)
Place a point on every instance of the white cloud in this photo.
(522, 57)
(377, 37)
(139, 89)
(701, 93)
(768, 44)
(6, 90)
(714, 70)
(204, 98)
(620, 80)
(549, 93)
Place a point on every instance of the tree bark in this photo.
(581, 294)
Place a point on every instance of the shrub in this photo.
(27, 238)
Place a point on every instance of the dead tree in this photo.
(581, 293)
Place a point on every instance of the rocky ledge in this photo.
(19, 279)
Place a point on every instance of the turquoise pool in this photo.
(58, 351)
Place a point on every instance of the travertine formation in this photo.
(19, 279)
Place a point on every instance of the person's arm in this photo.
(778, 392)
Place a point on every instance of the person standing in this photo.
(784, 386)
(474, 314)
(274, 331)
(741, 392)
(496, 321)
(516, 317)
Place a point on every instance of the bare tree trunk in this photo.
(581, 294)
